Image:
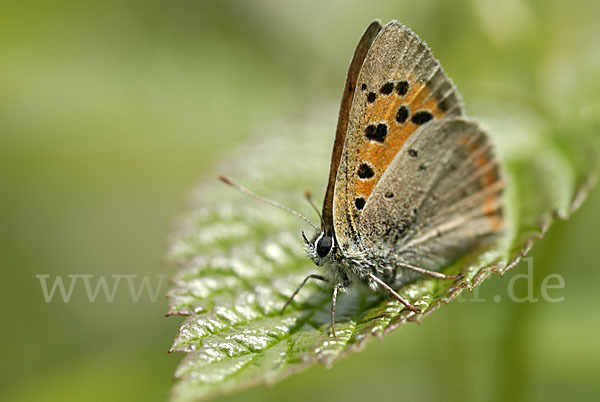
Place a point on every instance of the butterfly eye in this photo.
(324, 245)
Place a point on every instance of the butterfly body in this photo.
(413, 184)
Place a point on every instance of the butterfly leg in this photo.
(432, 274)
(333, 303)
(311, 276)
(393, 293)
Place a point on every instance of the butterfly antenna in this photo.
(308, 196)
(265, 200)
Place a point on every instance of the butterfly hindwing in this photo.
(440, 197)
(401, 87)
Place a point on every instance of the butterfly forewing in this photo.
(364, 44)
(400, 88)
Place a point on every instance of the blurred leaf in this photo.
(240, 260)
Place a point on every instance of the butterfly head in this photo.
(321, 248)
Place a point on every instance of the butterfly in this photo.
(413, 184)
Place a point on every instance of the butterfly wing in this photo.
(364, 44)
(401, 86)
(440, 197)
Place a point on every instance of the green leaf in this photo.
(240, 260)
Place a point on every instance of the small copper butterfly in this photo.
(412, 184)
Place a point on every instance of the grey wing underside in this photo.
(439, 198)
(396, 54)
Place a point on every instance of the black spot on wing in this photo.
(421, 117)
(402, 87)
(365, 171)
(376, 132)
(386, 88)
(402, 114)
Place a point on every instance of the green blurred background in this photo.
(110, 111)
